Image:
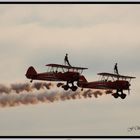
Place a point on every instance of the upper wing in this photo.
(67, 67)
(115, 75)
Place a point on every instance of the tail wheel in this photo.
(115, 95)
(74, 88)
(65, 87)
(123, 96)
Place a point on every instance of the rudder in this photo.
(31, 72)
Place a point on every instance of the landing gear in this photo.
(31, 80)
(116, 95)
(73, 88)
(66, 87)
(123, 96)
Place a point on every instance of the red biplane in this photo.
(109, 82)
(58, 73)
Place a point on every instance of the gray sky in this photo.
(94, 36)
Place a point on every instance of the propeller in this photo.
(129, 88)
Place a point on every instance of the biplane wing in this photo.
(115, 75)
(64, 66)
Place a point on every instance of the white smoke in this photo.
(40, 94)
(20, 87)
(26, 93)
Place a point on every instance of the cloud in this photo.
(99, 35)
(73, 26)
(68, 15)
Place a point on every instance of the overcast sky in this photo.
(94, 36)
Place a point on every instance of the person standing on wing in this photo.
(66, 61)
(116, 69)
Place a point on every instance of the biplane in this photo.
(109, 82)
(59, 73)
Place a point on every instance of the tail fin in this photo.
(31, 72)
(83, 79)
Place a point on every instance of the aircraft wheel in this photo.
(65, 87)
(74, 88)
(123, 96)
(115, 95)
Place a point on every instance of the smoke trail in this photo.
(4, 89)
(9, 100)
(36, 93)
(20, 87)
(109, 91)
(39, 86)
(90, 92)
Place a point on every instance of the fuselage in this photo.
(118, 84)
(52, 76)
